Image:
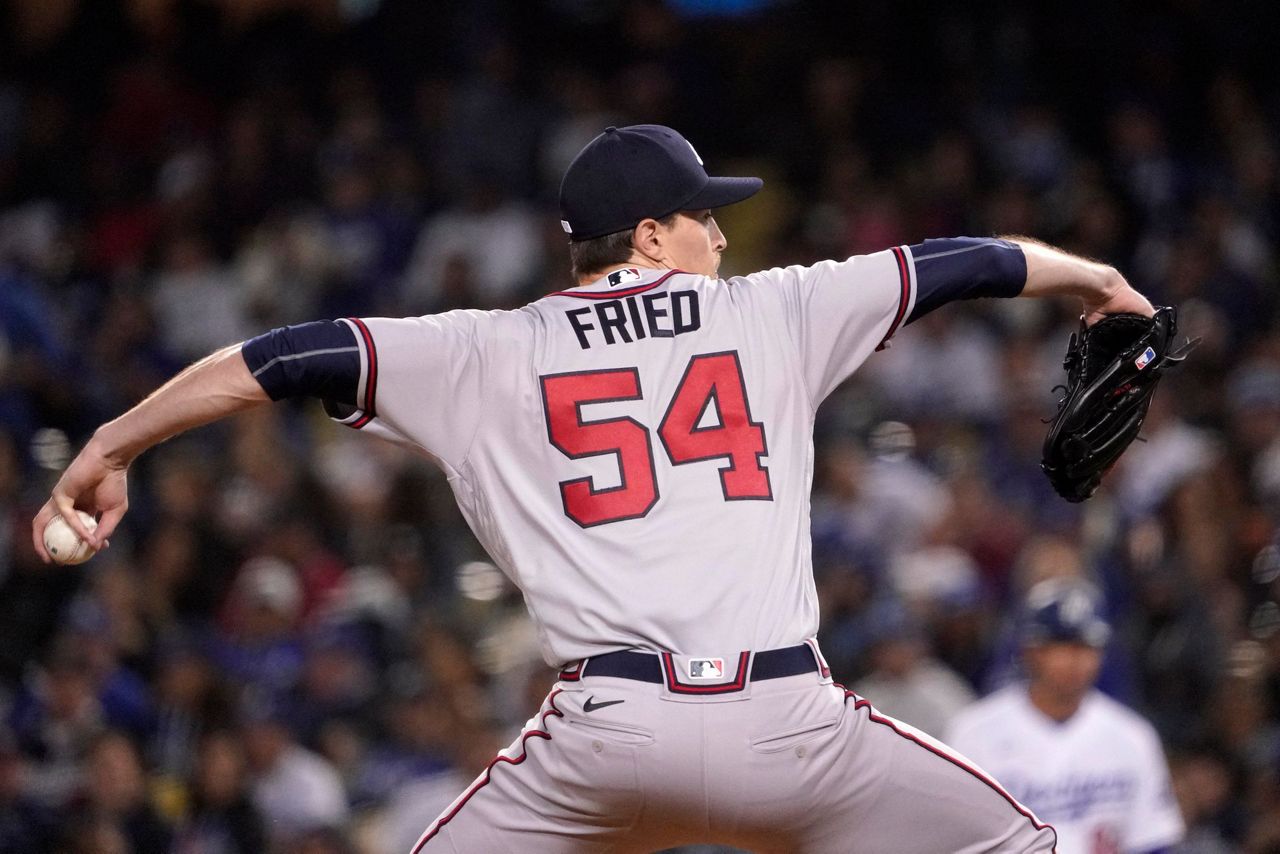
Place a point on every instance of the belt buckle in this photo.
(705, 675)
(705, 669)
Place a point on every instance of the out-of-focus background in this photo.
(295, 642)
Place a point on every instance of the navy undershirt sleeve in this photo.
(965, 268)
(319, 359)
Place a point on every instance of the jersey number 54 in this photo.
(733, 436)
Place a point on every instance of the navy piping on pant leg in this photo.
(875, 717)
(483, 780)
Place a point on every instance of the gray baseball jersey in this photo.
(636, 454)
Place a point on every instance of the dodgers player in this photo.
(636, 454)
(1082, 761)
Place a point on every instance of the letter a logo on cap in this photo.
(695, 152)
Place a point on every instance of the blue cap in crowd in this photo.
(1063, 610)
(640, 172)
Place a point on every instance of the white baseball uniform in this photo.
(1100, 777)
(637, 456)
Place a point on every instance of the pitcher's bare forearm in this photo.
(319, 359)
(957, 268)
(1101, 288)
(216, 386)
(96, 480)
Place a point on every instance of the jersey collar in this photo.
(625, 281)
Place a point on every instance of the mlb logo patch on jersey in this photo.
(1145, 359)
(621, 277)
(706, 668)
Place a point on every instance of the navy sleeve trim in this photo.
(320, 359)
(965, 268)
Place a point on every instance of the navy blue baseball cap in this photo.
(640, 172)
(1064, 611)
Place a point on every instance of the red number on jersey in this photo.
(715, 380)
(563, 395)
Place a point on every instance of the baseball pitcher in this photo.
(636, 453)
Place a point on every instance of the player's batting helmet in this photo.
(1064, 610)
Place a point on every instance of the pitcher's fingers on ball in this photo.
(107, 525)
(66, 509)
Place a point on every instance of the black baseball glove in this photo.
(1113, 368)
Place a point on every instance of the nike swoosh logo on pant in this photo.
(591, 705)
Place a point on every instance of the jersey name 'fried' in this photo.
(633, 318)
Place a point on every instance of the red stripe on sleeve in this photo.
(371, 370)
(904, 274)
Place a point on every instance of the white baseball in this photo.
(62, 543)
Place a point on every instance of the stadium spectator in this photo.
(116, 787)
(24, 824)
(905, 681)
(296, 790)
(221, 817)
(55, 719)
(263, 647)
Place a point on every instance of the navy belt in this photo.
(649, 666)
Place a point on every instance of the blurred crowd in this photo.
(294, 644)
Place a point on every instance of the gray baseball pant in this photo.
(794, 764)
